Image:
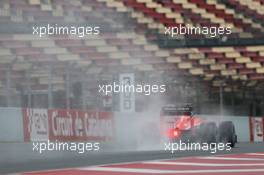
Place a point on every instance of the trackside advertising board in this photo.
(35, 122)
(67, 125)
(127, 99)
(256, 129)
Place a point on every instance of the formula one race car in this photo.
(179, 123)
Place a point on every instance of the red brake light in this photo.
(176, 133)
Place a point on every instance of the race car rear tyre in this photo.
(209, 134)
(227, 133)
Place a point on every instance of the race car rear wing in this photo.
(172, 110)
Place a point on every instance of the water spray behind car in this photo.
(140, 130)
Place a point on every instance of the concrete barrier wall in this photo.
(242, 128)
(127, 125)
(11, 125)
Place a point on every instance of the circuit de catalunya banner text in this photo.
(67, 125)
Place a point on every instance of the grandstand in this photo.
(194, 70)
(64, 71)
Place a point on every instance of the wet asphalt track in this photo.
(12, 162)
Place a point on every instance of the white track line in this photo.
(123, 163)
(230, 158)
(126, 170)
(255, 154)
(151, 171)
(202, 164)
